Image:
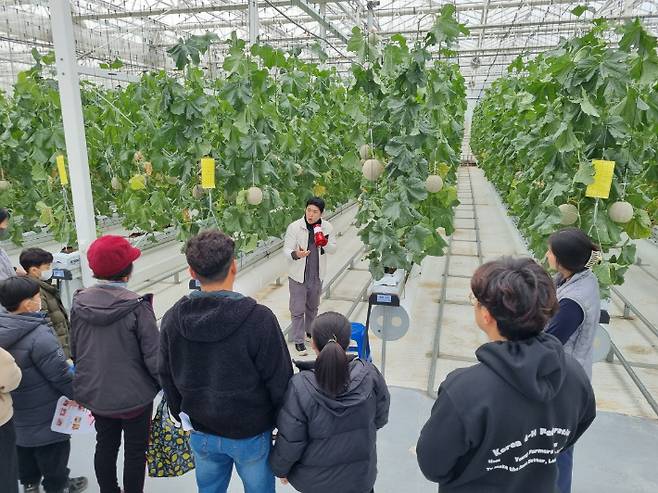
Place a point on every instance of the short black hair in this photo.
(16, 289)
(119, 276)
(317, 202)
(519, 294)
(572, 248)
(34, 257)
(4, 214)
(210, 255)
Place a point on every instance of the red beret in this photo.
(110, 254)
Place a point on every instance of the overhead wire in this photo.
(331, 45)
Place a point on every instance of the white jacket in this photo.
(296, 238)
(10, 377)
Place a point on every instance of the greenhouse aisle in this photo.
(632, 465)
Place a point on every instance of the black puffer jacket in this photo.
(328, 445)
(46, 377)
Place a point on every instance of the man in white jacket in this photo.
(307, 243)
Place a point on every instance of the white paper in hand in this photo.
(70, 417)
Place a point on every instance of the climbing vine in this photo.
(538, 129)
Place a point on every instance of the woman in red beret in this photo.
(114, 345)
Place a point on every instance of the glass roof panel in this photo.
(139, 31)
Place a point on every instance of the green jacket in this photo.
(51, 303)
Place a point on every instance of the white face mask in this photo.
(36, 306)
(46, 275)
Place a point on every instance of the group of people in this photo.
(506, 424)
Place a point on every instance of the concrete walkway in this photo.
(617, 450)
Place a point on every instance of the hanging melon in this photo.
(434, 183)
(569, 213)
(365, 152)
(621, 212)
(137, 182)
(4, 185)
(198, 192)
(254, 196)
(372, 169)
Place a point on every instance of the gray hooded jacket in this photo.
(46, 376)
(114, 344)
(325, 444)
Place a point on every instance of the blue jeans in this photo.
(214, 457)
(564, 468)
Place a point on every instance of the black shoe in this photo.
(301, 349)
(31, 488)
(308, 337)
(76, 485)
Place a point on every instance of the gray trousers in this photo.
(304, 303)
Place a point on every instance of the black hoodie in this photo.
(224, 362)
(328, 445)
(498, 426)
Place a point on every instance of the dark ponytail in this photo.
(331, 335)
(572, 248)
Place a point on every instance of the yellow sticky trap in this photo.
(207, 172)
(603, 174)
(61, 169)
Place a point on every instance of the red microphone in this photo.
(319, 237)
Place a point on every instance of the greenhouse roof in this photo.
(138, 32)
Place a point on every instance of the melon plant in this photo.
(568, 214)
(365, 152)
(254, 196)
(372, 169)
(261, 121)
(551, 116)
(137, 182)
(434, 183)
(398, 218)
(198, 192)
(620, 212)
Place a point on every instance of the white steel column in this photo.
(323, 27)
(74, 130)
(253, 21)
(370, 18)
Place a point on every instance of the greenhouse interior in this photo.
(475, 309)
